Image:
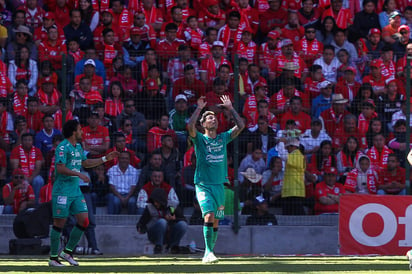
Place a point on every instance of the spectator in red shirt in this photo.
(89, 71)
(189, 86)
(297, 114)
(30, 159)
(293, 30)
(347, 86)
(18, 194)
(41, 33)
(167, 48)
(206, 46)
(280, 101)
(246, 48)
(154, 135)
(122, 18)
(392, 178)
(328, 192)
(34, 115)
(309, 48)
(211, 15)
(176, 18)
(268, 52)
(309, 14)
(274, 17)
(119, 141)
(341, 134)
(52, 48)
(375, 78)
(108, 50)
(209, 66)
(49, 97)
(379, 153)
(96, 138)
(333, 117)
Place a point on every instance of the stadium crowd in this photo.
(321, 88)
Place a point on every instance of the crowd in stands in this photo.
(321, 85)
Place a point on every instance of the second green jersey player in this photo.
(67, 198)
(211, 168)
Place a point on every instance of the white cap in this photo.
(90, 62)
(218, 44)
(181, 97)
(324, 84)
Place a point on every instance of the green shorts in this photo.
(211, 199)
(64, 206)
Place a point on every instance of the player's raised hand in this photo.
(112, 155)
(201, 102)
(226, 102)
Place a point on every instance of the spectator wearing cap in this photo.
(364, 20)
(230, 34)
(246, 48)
(309, 48)
(89, 71)
(399, 47)
(168, 48)
(52, 48)
(178, 119)
(175, 67)
(273, 17)
(375, 78)
(388, 8)
(328, 192)
(342, 16)
(313, 137)
(323, 101)
(76, 28)
(210, 66)
(151, 102)
(293, 189)
(287, 55)
(18, 194)
(34, 14)
(90, 53)
(347, 86)
(211, 15)
(96, 139)
(261, 215)
(49, 97)
(134, 49)
(268, 52)
(44, 138)
(389, 32)
(41, 33)
(329, 63)
(189, 86)
(176, 18)
(332, 118)
(251, 186)
(308, 14)
(374, 43)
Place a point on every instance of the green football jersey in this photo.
(211, 155)
(72, 157)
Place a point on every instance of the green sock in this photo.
(214, 238)
(74, 238)
(55, 241)
(208, 235)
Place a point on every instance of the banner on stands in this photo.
(375, 224)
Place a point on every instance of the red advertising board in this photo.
(375, 224)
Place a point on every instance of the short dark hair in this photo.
(315, 67)
(190, 18)
(329, 47)
(234, 14)
(32, 99)
(188, 67)
(57, 137)
(47, 116)
(171, 26)
(74, 10)
(27, 134)
(106, 31)
(3, 101)
(117, 135)
(209, 30)
(21, 82)
(165, 136)
(69, 127)
(218, 82)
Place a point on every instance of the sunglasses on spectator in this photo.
(18, 177)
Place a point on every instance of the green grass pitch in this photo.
(227, 264)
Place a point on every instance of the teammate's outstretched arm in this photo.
(240, 125)
(191, 126)
(89, 163)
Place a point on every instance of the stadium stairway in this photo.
(117, 235)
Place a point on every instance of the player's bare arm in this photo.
(201, 103)
(240, 125)
(89, 163)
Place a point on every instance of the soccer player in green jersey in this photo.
(66, 196)
(211, 168)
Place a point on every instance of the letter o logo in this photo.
(389, 224)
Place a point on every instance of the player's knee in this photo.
(85, 223)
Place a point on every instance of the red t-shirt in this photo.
(192, 90)
(385, 177)
(97, 137)
(322, 190)
(21, 195)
